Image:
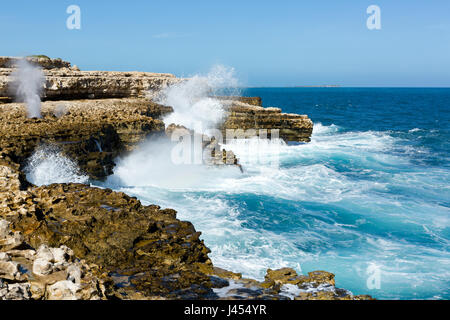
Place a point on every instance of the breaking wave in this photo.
(192, 101)
(49, 165)
(344, 202)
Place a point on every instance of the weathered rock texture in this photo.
(143, 248)
(283, 284)
(73, 241)
(64, 82)
(254, 101)
(254, 120)
(92, 132)
(128, 251)
(42, 61)
(46, 273)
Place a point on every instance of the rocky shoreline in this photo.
(74, 241)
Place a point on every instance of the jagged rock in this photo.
(15, 291)
(63, 290)
(8, 270)
(63, 82)
(254, 101)
(318, 285)
(127, 250)
(61, 254)
(44, 253)
(9, 240)
(4, 256)
(250, 119)
(117, 233)
(48, 273)
(43, 61)
(42, 267)
(37, 290)
(89, 132)
(74, 273)
(282, 276)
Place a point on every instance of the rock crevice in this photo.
(73, 241)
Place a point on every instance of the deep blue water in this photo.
(367, 199)
(396, 111)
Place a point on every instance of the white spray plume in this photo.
(151, 164)
(49, 165)
(191, 100)
(28, 81)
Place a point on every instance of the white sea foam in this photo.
(320, 129)
(150, 165)
(338, 189)
(49, 165)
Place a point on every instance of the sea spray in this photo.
(150, 165)
(327, 207)
(27, 84)
(193, 102)
(49, 165)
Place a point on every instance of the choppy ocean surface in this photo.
(367, 199)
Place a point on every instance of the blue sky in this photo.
(269, 43)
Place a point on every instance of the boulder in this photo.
(47, 273)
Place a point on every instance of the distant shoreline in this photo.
(347, 87)
(320, 86)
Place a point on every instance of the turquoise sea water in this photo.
(368, 197)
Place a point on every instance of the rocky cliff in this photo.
(64, 82)
(247, 114)
(73, 241)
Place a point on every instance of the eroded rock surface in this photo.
(283, 284)
(66, 82)
(50, 273)
(157, 253)
(248, 120)
(92, 132)
(72, 241)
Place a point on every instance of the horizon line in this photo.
(340, 86)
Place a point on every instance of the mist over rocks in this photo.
(126, 250)
(27, 85)
(78, 134)
(66, 82)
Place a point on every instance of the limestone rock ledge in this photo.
(64, 82)
(244, 114)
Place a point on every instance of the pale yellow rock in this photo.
(62, 290)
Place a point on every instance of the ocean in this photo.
(368, 199)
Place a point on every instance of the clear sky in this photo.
(269, 43)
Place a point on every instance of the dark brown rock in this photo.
(160, 253)
(92, 132)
